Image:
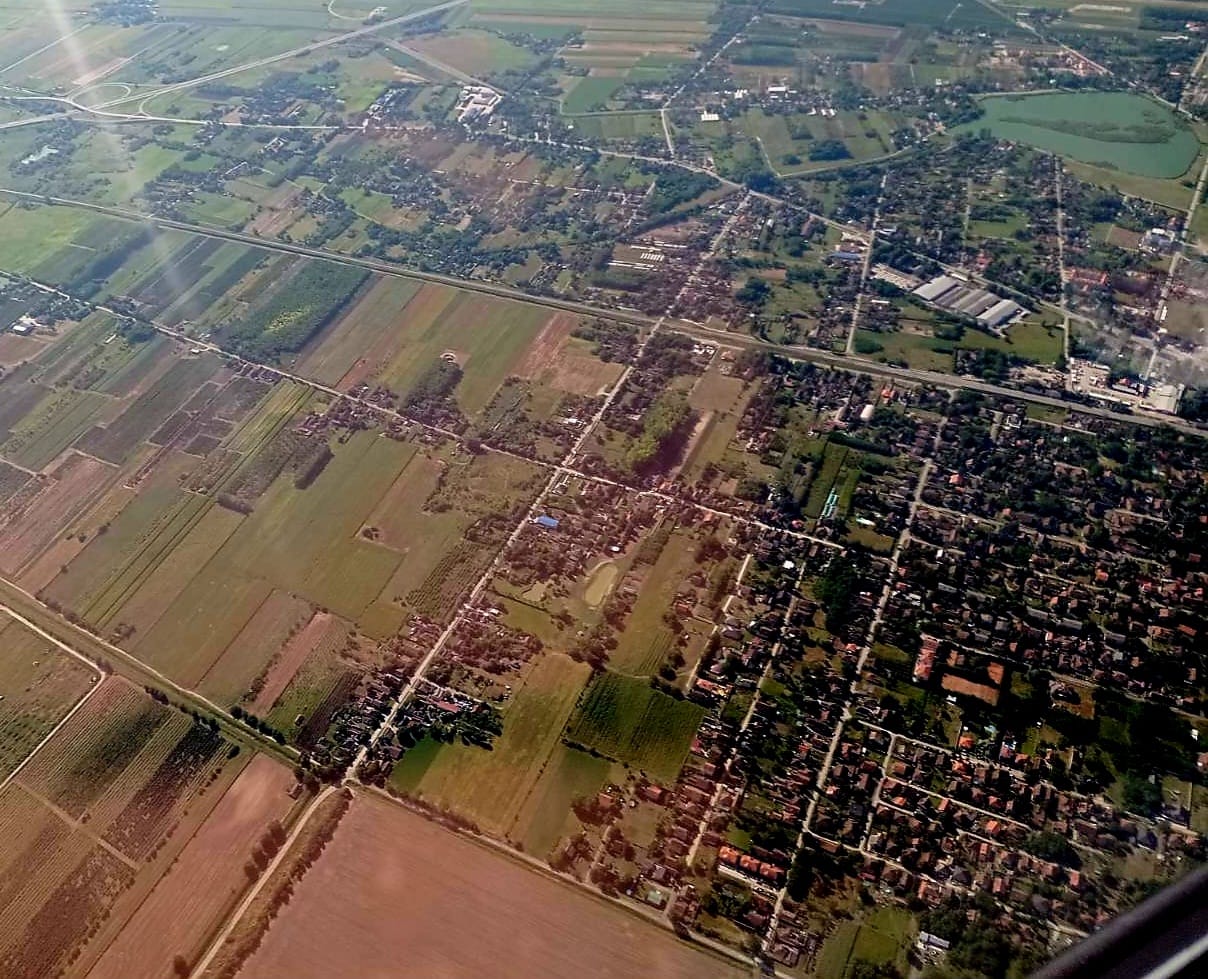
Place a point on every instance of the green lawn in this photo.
(490, 787)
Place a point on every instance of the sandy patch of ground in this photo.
(546, 346)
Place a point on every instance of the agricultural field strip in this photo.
(99, 682)
(268, 874)
(563, 468)
(142, 670)
(78, 827)
(798, 353)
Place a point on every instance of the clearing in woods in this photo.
(392, 887)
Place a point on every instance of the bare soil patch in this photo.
(545, 348)
(290, 661)
(395, 894)
(14, 349)
(32, 519)
(576, 370)
(206, 879)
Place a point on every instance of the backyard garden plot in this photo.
(314, 682)
(546, 818)
(647, 639)
(490, 787)
(626, 719)
(39, 685)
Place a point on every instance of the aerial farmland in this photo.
(682, 488)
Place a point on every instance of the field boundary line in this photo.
(234, 917)
(101, 678)
(261, 743)
(78, 826)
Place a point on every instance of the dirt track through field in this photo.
(184, 907)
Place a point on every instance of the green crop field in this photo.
(592, 92)
(571, 774)
(617, 125)
(490, 787)
(39, 684)
(647, 639)
(626, 719)
(1113, 130)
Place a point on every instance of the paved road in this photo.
(634, 318)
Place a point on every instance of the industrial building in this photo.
(954, 295)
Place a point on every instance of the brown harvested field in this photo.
(547, 345)
(28, 526)
(15, 349)
(394, 894)
(576, 370)
(291, 659)
(204, 882)
(1124, 238)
